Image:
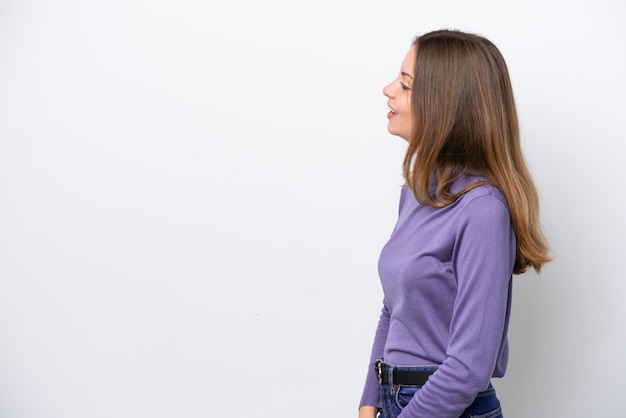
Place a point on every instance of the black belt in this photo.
(388, 374)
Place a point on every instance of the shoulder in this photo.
(483, 205)
(484, 195)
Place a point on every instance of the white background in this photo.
(193, 196)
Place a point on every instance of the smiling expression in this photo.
(399, 94)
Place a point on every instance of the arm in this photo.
(482, 261)
(371, 392)
(368, 412)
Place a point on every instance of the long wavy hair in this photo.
(465, 123)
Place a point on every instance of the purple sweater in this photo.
(446, 277)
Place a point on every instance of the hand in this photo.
(368, 412)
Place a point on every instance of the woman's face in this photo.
(399, 93)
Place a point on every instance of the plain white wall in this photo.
(194, 195)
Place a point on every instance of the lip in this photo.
(392, 112)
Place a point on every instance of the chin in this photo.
(399, 134)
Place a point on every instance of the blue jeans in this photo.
(395, 397)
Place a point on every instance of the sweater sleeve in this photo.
(482, 260)
(371, 392)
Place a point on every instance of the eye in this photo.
(404, 86)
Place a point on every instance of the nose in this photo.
(388, 90)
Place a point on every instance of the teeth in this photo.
(393, 111)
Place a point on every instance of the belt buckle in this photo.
(379, 370)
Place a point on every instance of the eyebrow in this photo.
(407, 75)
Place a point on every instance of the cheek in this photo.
(408, 114)
(407, 105)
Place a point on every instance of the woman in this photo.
(468, 220)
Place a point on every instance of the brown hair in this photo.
(465, 123)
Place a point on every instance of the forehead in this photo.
(408, 64)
